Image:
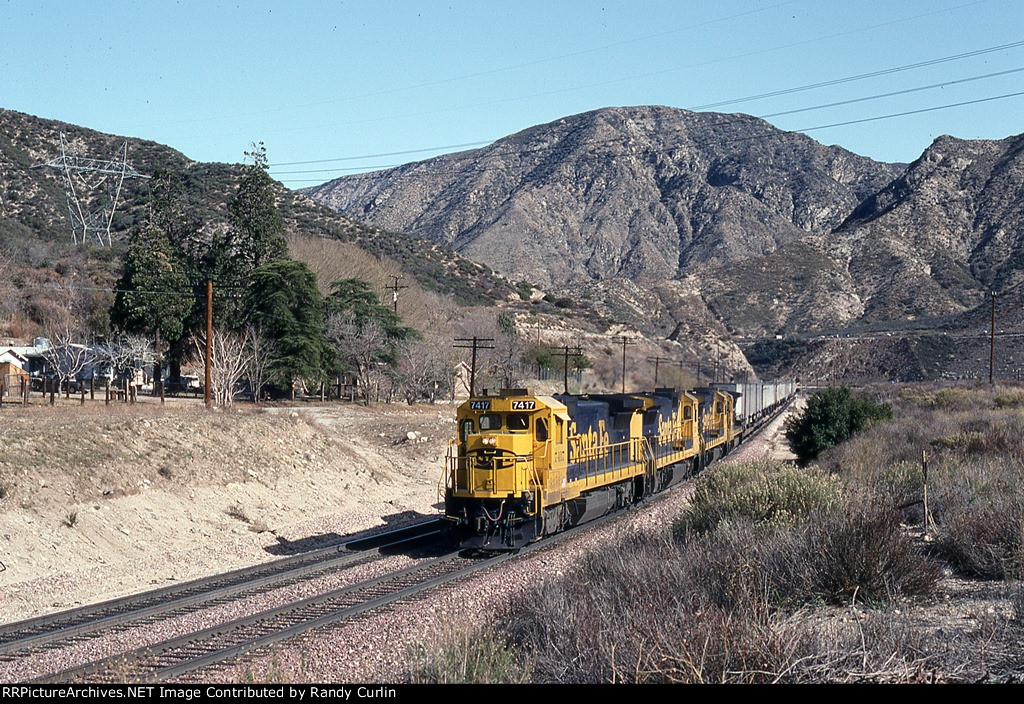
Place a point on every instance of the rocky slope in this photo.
(640, 209)
(636, 192)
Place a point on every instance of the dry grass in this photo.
(474, 657)
(975, 460)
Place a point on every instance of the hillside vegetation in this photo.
(46, 279)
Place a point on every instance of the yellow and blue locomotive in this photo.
(524, 466)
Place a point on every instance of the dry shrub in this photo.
(1009, 399)
(237, 512)
(1017, 601)
(716, 606)
(862, 553)
(474, 657)
(633, 613)
(980, 511)
(762, 492)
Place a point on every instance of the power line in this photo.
(905, 91)
(731, 101)
(911, 112)
(811, 108)
(724, 123)
(375, 156)
(859, 77)
(633, 77)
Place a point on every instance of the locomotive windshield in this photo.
(490, 421)
(518, 421)
(466, 430)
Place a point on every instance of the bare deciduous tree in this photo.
(423, 371)
(359, 347)
(67, 355)
(123, 355)
(260, 350)
(236, 355)
(228, 363)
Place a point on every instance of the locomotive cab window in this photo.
(518, 421)
(466, 429)
(687, 413)
(718, 407)
(490, 421)
(542, 430)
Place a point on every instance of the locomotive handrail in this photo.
(448, 474)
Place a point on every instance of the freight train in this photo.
(523, 466)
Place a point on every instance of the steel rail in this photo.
(203, 648)
(60, 626)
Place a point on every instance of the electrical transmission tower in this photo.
(93, 187)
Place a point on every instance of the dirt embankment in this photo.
(102, 501)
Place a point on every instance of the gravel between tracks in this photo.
(70, 655)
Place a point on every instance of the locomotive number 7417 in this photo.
(524, 405)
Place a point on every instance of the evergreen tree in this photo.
(154, 296)
(356, 300)
(283, 300)
(258, 231)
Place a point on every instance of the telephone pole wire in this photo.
(476, 343)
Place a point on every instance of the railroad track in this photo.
(217, 644)
(227, 641)
(56, 630)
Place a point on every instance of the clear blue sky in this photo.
(333, 80)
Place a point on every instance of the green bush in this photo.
(760, 492)
(831, 416)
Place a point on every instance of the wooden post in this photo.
(53, 400)
(82, 391)
(927, 511)
(208, 398)
(992, 344)
(24, 391)
(92, 387)
(106, 392)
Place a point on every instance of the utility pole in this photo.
(657, 361)
(207, 397)
(395, 288)
(992, 344)
(475, 344)
(565, 354)
(625, 342)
